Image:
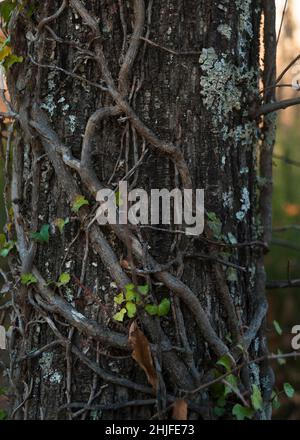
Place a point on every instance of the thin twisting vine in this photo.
(47, 304)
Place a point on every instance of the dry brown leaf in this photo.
(125, 264)
(180, 410)
(142, 353)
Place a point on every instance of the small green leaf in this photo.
(63, 279)
(214, 224)
(164, 307)
(219, 412)
(78, 203)
(6, 9)
(12, 59)
(2, 391)
(277, 328)
(232, 275)
(289, 390)
(231, 238)
(120, 315)
(4, 252)
(60, 223)
(131, 309)
(280, 361)
(42, 236)
(28, 278)
(130, 295)
(4, 53)
(225, 362)
(144, 290)
(119, 299)
(3, 414)
(119, 201)
(256, 398)
(129, 287)
(151, 309)
(242, 412)
(7, 247)
(2, 240)
(233, 382)
(221, 400)
(275, 401)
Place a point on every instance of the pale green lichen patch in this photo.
(245, 200)
(245, 28)
(243, 135)
(55, 377)
(45, 363)
(48, 373)
(225, 30)
(228, 199)
(245, 21)
(72, 123)
(218, 84)
(222, 84)
(49, 105)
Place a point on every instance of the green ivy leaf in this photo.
(151, 309)
(129, 287)
(119, 201)
(219, 412)
(120, 315)
(232, 275)
(214, 224)
(242, 412)
(78, 203)
(144, 290)
(277, 328)
(222, 400)
(12, 59)
(130, 295)
(3, 414)
(42, 236)
(6, 9)
(131, 309)
(2, 240)
(256, 398)
(231, 238)
(164, 307)
(63, 279)
(275, 401)
(119, 299)
(2, 391)
(60, 223)
(28, 278)
(280, 361)
(233, 382)
(6, 248)
(225, 362)
(289, 390)
(5, 51)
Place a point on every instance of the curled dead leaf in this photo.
(180, 410)
(142, 354)
(125, 264)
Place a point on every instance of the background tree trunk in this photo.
(193, 82)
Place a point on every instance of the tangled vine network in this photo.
(179, 363)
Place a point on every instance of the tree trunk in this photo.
(166, 89)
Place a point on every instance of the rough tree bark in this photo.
(168, 88)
